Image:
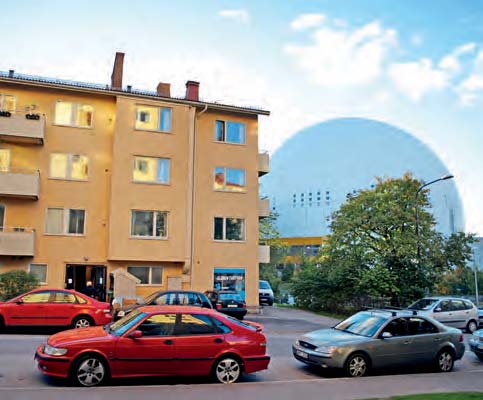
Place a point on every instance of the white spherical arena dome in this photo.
(312, 173)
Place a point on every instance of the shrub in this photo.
(14, 283)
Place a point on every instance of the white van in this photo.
(265, 293)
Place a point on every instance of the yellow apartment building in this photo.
(103, 178)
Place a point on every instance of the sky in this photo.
(415, 64)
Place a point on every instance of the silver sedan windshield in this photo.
(363, 324)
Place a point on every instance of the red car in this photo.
(54, 307)
(157, 341)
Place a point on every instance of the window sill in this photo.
(65, 234)
(151, 183)
(148, 238)
(233, 143)
(150, 284)
(68, 179)
(152, 130)
(229, 241)
(73, 126)
(230, 191)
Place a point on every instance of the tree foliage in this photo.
(372, 254)
(14, 283)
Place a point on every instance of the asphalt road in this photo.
(286, 378)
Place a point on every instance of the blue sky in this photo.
(415, 64)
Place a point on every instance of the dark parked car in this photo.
(228, 302)
(380, 339)
(167, 298)
(156, 341)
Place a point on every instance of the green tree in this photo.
(372, 251)
(14, 283)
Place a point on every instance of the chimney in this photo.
(164, 89)
(116, 77)
(192, 90)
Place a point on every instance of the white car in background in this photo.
(451, 311)
(265, 293)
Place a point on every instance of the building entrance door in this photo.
(76, 277)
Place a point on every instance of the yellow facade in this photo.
(186, 249)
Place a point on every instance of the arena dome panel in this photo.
(312, 173)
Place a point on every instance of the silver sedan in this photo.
(379, 339)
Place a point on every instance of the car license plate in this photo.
(302, 354)
(232, 305)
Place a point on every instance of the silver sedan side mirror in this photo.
(386, 335)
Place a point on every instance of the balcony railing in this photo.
(263, 254)
(263, 164)
(263, 207)
(17, 241)
(22, 128)
(20, 184)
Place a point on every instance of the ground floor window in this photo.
(230, 279)
(147, 275)
(39, 271)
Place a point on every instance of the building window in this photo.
(65, 221)
(2, 217)
(69, 166)
(229, 179)
(230, 132)
(39, 271)
(149, 224)
(153, 118)
(229, 229)
(7, 102)
(4, 160)
(147, 275)
(73, 114)
(150, 169)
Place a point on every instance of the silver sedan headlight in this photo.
(327, 350)
(54, 351)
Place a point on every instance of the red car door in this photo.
(151, 354)
(198, 343)
(62, 308)
(30, 309)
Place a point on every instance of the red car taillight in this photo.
(461, 339)
(218, 305)
(244, 305)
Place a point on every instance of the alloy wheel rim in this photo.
(472, 326)
(90, 372)
(445, 361)
(82, 323)
(227, 370)
(357, 366)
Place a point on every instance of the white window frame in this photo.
(225, 131)
(154, 226)
(2, 101)
(46, 271)
(9, 157)
(73, 115)
(225, 240)
(69, 168)
(150, 274)
(225, 169)
(168, 182)
(159, 109)
(65, 222)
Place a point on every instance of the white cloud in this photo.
(416, 39)
(417, 78)
(451, 62)
(339, 57)
(240, 15)
(306, 21)
(472, 87)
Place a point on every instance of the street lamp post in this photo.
(443, 178)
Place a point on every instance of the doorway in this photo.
(76, 277)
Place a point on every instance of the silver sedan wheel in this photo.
(357, 366)
(471, 327)
(82, 323)
(445, 361)
(90, 372)
(227, 370)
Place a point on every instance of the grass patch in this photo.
(440, 396)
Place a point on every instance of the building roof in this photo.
(13, 77)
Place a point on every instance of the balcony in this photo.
(20, 184)
(263, 254)
(263, 164)
(263, 207)
(17, 128)
(17, 242)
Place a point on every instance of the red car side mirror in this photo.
(135, 335)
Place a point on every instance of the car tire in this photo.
(270, 303)
(227, 370)
(82, 321)
(480, 356)
(472, 326)
(357, 365)
(2, 324)
(444, 361)
(88, 371)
